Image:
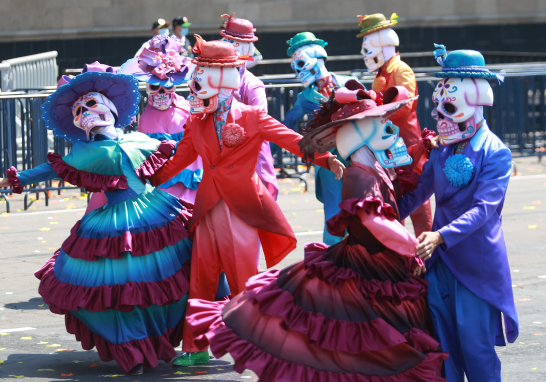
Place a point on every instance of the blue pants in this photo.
(465, 325)
(328, 191)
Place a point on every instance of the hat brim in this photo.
(121, 89)
(226, 34)
(234, 64)
(465, 74)
(375, 28)
(299, 44)
(131, 67)
(323, 138)
(185, 25)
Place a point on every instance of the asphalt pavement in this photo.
(34, 344)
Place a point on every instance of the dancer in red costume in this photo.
(232, 208)
(351, 312)
(379, 49)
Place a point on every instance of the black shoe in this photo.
(137, 370)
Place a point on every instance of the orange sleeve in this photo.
(405, 77)
(274, 131)
(184, 156)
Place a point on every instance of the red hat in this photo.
(216, 53)
(237, 29)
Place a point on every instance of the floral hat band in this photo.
(162, 57)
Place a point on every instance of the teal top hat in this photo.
(462, 63)
(301, 39)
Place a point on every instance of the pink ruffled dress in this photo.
(350, 312)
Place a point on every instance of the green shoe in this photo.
(189, 359)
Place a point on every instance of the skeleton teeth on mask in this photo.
(459, 107)
(94, 110)
(160, 96)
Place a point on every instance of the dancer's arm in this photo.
(184, 156)
(17, 180)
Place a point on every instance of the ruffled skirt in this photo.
(340, 315)
(122, 279)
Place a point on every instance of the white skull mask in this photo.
(459, 107)
(308, 63)
(372, 47)
(93, 110)
(205, 85)
(243, 48)
(159, 96)
(380, 135)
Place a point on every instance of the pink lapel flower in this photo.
(233, 135)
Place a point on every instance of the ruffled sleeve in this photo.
(424, 147)
(92, 182)
(14, 181)
(156, 160)
(380, 219)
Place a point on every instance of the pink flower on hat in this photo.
(233, 135)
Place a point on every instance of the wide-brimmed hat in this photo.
(182, 21)
(159, 63)
(372, 23)
(357, 104)
(237, 29)
(121, 89)
(216, 54)
(462, 63)
(301, 39)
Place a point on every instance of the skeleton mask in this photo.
(373, 48)
(94, 110)
(243, 48)
(160, 96)
(205, 85)
(459, 107)
(308, 63)
(380, 135)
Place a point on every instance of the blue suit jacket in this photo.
(469, 219)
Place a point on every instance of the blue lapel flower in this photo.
(458, 170)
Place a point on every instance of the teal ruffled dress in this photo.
(122, 276)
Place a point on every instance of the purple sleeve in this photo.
(492, 185)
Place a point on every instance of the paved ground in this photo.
(47, 353)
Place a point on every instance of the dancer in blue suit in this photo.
(308, 58)
(470, 286)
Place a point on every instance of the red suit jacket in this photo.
(230, 173)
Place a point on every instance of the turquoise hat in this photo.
(462, 63)
(301, 39)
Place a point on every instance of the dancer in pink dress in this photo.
(162, 68)
(351, 312)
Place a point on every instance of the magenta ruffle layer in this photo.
(330, 333)
(413, 288)
(349, 207)
(62, 296)
(155, 160)
(14, 181)
(147, 351)
(426, 135)
(206, 324)
(90, 181)
(139, 244)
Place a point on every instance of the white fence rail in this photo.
(33, 71)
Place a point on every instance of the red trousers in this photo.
(222, 242)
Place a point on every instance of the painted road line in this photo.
(309, 233)
(43, 212)
(16, 330)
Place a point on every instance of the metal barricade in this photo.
(29, 71)
(518, 117)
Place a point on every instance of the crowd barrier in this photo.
(518, 117)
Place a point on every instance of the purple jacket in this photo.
(252, 92)
(469, 219)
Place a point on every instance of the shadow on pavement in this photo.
(35, 303)
(73, 365)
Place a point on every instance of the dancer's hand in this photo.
(4, 182)
(428, 241)
(434, 142)
(336, 166)
(420, 271)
